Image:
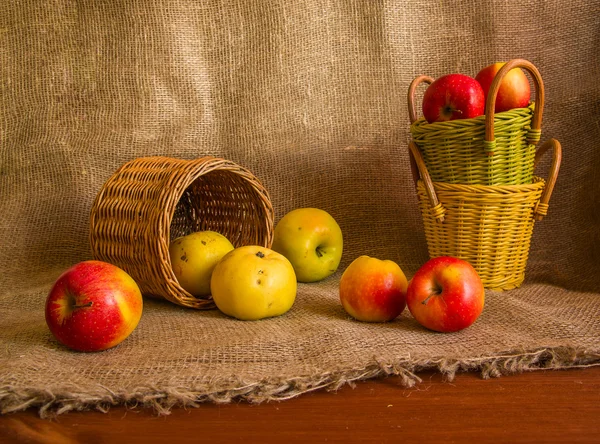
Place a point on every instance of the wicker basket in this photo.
(493, 149)
(150, 201)
(488, 226)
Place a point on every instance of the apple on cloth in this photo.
(93, 306)
(451, 97)
(514, 90)
(194, 257)
(373, 290)
(445, 294)
(312, 241)
(253, 282)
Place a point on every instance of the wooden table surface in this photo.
(537, 407)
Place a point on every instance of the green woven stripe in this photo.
(455, 151)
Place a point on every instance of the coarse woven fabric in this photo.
(311, 97)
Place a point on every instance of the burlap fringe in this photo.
(163, 399)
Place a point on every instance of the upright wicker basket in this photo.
(150, 201)
(488, 226)
(494, 149)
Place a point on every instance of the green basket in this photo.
(493, 149)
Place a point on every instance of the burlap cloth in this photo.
(311, 97)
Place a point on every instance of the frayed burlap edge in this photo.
(162, 400)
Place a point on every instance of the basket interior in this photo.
(221, 201)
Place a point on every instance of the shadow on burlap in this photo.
(311, 98)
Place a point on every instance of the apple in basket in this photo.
(446, 294)
(253, 282)
(453, 96)
(373, 290)
(93, 306)
(194, 257)
(312, 241)
(514, 90)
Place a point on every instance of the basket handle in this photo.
(533, 136)
(419, 171)
(541, 208)
(412, 114)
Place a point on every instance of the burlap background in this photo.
(310, 96)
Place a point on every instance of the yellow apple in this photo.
(253, 282)
(312, 241)
(193, 258)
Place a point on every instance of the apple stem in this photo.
(319, 252)
(89, 304)
(260, 254)
(424, 301)
(434, 292)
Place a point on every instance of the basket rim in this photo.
(192, 170)
(474, 122)
(538, 182)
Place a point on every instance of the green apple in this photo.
(312, 241)
(194, 257)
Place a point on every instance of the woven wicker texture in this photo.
(150, 201)
(493, 149)
(486, 225)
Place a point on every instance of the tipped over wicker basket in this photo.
(493, 149)
(150, 201)
(488, 226)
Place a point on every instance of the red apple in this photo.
(514, 90)
(373, 290)
(453, 96)
(446, 294)
(93, 306)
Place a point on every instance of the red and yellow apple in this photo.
(445, 294)
(253, 282)
(373, 290)
(93, 306)
(194, 257)
(514, 90)
(451, 97)
(312, 241)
